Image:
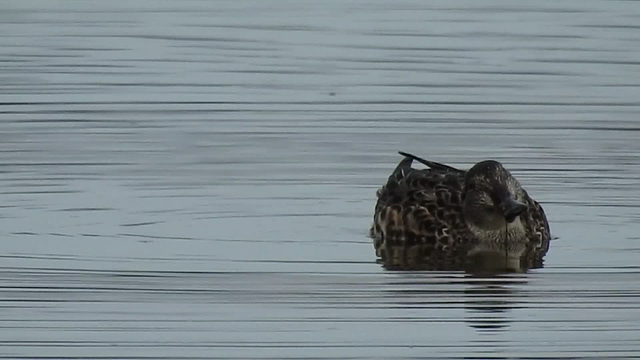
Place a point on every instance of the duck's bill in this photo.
(512, 208)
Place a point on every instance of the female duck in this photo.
(443, 218)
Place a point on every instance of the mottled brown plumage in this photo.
(442, 218)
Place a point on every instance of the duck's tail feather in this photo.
(432, 164)
(402, 167)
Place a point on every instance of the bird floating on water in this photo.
(442, 218)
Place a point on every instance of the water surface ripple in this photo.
(195, 179)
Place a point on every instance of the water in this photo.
(195, 179)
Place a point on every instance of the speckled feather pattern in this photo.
(419, 223)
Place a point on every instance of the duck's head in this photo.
(493, 198)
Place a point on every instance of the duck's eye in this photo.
(489, 208)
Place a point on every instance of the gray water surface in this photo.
(196, 179)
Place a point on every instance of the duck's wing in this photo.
(540, 234)
(415, 210)
(432, 164)
(405, 175)
(407, 185)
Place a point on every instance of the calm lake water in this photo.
(196, 179)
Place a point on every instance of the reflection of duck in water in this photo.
(488, 302)
(488, 299)
(443, 218)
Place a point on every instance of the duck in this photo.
(442, 218)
